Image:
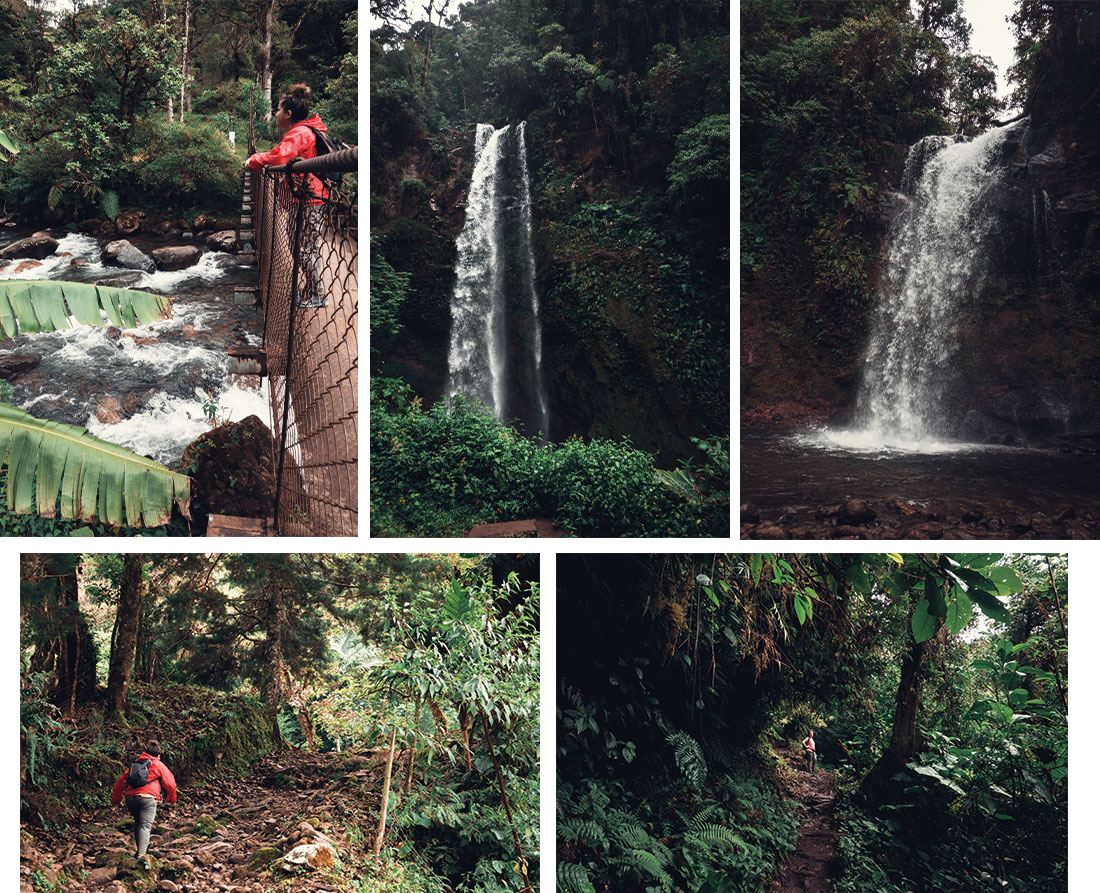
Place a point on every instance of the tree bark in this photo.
(507, 804)
(267, 18)
(186, 62)
(75, 650)
(124, 638)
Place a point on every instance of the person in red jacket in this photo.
(294, 121)
(300, 141)
(142, 800)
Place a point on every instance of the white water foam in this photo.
(876, 443)
(168, 424)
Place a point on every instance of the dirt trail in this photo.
(225, 836)
(807, 870)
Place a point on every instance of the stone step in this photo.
(247, 258)
(231, 525)
(247, 360)
(246, 235)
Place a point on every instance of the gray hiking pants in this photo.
(144, 811)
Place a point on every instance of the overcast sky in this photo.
(992, 35)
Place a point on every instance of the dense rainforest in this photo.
(934, 687)
(623, 109)
(333, 722)
(127, 106)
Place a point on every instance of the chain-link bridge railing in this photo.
(306, 243)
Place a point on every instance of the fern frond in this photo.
(583, 831)
(689, 757)
(702, 816)
(650, 863)
(632, 836)
(717, 835)
(573, 878)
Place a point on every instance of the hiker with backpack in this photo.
(304, 136)
(145, 784)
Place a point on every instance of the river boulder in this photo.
(125, 254)
(14, 365)
(38, 246)
(176, 257)
(226, 240)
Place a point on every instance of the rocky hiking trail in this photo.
(299, 821)
(808, 869)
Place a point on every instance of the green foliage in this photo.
(702, 162)
(186, 166)
(452, 466)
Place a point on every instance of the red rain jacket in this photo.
(161, 781)
(298, 142)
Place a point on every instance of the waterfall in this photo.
(495, 354)
(933, 268)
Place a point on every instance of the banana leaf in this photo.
(47, 305)
(94, 478)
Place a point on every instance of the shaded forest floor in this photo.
(225, 835)
(808, 869)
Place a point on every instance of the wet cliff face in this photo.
(1029, 351)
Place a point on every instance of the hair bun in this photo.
(300, 91)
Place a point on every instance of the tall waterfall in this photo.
(495, 352)
(933, 267)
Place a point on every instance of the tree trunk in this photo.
(273, 647)
(75, 649)
(186, 62)
(381, 833)
(267, 13)
(124, 639)
(904, 739)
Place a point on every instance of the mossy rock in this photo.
(263, 857)
(314, 822)
(176, 869)
(122, 859)
(205, 826)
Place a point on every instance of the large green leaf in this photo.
(958, 611)
(1005, 578)
(46, 305)
(924, 623)
(52, 461)
(991, 606)
(8, 144)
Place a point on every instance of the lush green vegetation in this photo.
(627, 133)
(112, 108)
(936, 685)
(452, 466)
(392, 700)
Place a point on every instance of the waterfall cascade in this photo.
(934, 264)
(495, 352)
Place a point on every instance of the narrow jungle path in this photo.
(227, 835)
(807, 870)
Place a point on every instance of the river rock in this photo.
(317, 854)
(109, 411)
(226, 240)
(856, 511)
(176, 257)
(78, 262)
(125, 254)
(23, 266)
(11, 367)
(128, 222)
(38, 246)
(230, 469)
